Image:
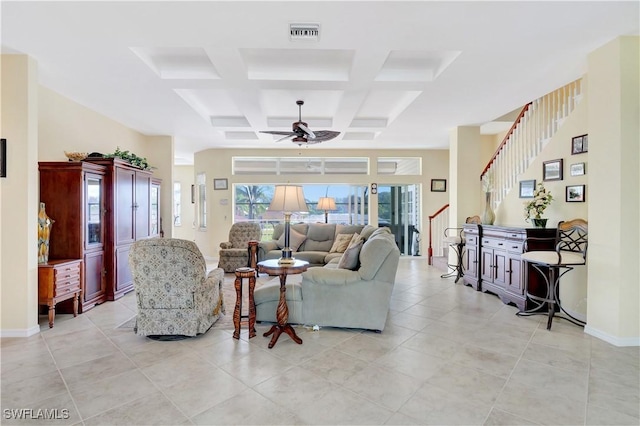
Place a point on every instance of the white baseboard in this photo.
(614, 340)
(20, 332)
(577, 315)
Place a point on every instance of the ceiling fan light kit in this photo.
(301, 133)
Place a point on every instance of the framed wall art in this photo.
(575, 194)
(578, 169)
(579, 144)
(552, 170)
(438, 185)
(527, 187)
(3, 158)
(221, 183)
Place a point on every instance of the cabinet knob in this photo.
(499, 244)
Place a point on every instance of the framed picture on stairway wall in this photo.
(527, 187)
(552, 170)
(579, 144)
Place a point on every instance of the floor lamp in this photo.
(288, 199)
(327, 204)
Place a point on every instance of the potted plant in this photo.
(534, 208)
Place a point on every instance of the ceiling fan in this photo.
(301, 134)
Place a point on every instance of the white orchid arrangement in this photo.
(541, 200)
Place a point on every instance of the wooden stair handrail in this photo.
(430, 250)
(506, 138)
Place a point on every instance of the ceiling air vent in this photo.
(309, 32)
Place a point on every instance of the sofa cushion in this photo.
(319, 237)
(341, 243)
(295, 239)
(350, 258)
(313, 257)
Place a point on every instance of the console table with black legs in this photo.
(272, 267)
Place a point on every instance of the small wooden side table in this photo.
(59, 280)
(272, 267)
(242, 273)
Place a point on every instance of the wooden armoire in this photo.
(101, 207)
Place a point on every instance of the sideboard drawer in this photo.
(494, 243)
(471, 240)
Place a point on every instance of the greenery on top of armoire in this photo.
(131, 158)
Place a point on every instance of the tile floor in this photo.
(449, 355)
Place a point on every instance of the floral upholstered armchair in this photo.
(174, 293)
(235, 252)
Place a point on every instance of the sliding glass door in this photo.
(399, 209)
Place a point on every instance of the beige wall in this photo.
(65, 125)
(614, 183)
(18, 198)
(185, 175)
(217, 163)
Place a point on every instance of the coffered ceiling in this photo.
(385, 74)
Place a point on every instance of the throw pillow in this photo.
(341, 243)
(351, 257)
(295, 240)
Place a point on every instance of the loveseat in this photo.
(336, 297)
(312, 242)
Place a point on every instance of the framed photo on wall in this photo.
(579, 144)
(527, 187)
(552, 170)
(221, 183)
(578, 169)
(438, 185)
(3, 158)
(575, 194)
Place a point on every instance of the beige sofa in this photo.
(334, 297)
(309, 241)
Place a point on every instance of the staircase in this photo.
(531, 131)
(535, 126)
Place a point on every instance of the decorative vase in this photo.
(488, 216)
(44, 231)
(539, 223)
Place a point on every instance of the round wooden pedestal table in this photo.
(272, 267)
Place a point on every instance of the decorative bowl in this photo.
(75, 156)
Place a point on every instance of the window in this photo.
(177, 206)
(252, 203)
(399, 166)
(201, 180)
(300, 166)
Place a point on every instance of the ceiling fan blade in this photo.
(285, 138)
(325, 135)
(270, 132)
(310, 134)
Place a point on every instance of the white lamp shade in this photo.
(326, 203)
(288, 198)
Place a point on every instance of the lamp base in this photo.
(287, 257)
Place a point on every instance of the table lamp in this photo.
(288, 199)
(326, 204)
